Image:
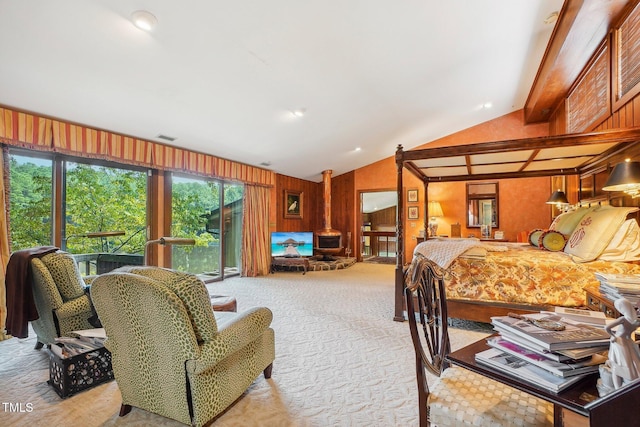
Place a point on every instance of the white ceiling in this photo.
(224, 77)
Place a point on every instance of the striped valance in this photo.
(24, 129)
(36, 132)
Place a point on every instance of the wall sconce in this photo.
(164, 241)
(625, 177)
(435, 211)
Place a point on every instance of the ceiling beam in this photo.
(581, 27)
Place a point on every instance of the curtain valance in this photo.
(41, 133)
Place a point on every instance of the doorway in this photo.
(378, 216)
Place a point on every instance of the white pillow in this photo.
(595, 231)
(566, 222)
(625, 244)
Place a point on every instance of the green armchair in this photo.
(171, 355)
(60, 296)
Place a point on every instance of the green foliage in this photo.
(99, 198)
(30, 206)
(105, 199)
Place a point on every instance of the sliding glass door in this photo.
(197, 214)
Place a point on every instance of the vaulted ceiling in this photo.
(226, 78)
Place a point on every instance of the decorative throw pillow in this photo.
(534, 237)
(552, 240)
(568, 221)
(595, 231)
(625, 244)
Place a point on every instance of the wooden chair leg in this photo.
(38, 345)
(124, 409)
(267, 371)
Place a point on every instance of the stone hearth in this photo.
(318, 264)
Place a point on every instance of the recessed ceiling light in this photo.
(299, 112)
(358, 149)
(144, 20)
(487, 105)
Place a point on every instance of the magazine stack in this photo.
(545, 349)
(615, 286)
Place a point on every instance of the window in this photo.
(105, 213)
(627, 58)
(30, 201)
(588, 102)
(196, 214)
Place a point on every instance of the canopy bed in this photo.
(589, 156)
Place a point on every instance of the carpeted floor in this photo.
(381, 259)
(340, 360)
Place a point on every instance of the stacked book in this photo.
(81, 341)
(545, 349)
(615, 286)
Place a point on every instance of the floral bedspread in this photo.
(527, 275)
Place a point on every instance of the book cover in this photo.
(516, 367)
(574, 335)
(591, 317)
(567, 355)
(561, 369)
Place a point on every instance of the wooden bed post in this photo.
(399, 273)
(425, 222)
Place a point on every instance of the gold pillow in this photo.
(552, 240)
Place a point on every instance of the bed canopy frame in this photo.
(574, 154)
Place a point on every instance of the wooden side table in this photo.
(598, 302)
(223, 303)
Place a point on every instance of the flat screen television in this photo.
(292, 243)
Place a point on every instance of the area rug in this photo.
(340, 361)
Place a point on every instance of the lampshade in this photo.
(558, 198)
(435, 210)
(624, 177)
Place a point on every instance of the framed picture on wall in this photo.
(293, 204)
(413, 212)
(412, 195)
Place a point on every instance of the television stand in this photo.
(289, 263)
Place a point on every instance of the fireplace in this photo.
(328, 241)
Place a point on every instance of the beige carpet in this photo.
(340, 361)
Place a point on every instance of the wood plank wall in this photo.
(311, 204)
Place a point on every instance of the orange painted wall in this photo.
(522, 201)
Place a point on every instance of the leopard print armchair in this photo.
(60, 296)
(171, 355)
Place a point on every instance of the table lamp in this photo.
(435, 211)
(164, 241)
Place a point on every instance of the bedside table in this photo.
(598, 302)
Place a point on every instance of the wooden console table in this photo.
(577, 406)
(288, 262)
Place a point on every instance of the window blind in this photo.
(589, 99)
(628, 53)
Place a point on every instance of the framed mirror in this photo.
(482, 204)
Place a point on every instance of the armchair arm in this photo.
(73, 307)
(231, 337)
(88, 280)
